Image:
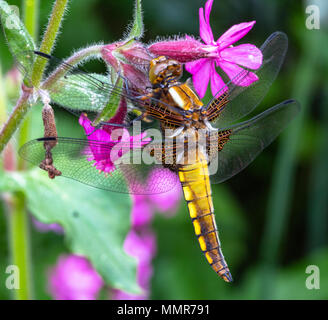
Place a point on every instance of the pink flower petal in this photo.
(246, 55)
(194, 66)
(86, 123)
(235, 33)
(204, 25)
(140, 245)
(142, 212)
(202, 77)
(217, 84)
(233, 71)
(208, 9)
(45, 227)
(110, 146)
(166, 202)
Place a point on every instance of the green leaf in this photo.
(18, 38)
(95, 221)
(137, 29)
(78, 94)
(113, 103)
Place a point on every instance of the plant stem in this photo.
(18, 217)
(15, 118)
(75, 59)
(20, 246)
(31, 15)
(3, 100)
(48, 39)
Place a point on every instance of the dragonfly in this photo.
(205, 143)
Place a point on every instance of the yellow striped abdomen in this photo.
(197, 192)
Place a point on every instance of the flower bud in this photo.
(183, 50)
(107, 54)
(130, 60)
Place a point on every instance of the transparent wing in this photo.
(249, 138)
(132, 169)
(235, 101)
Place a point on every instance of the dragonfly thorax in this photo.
(163, 71)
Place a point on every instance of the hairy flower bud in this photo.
(182, 50)
(131, 60)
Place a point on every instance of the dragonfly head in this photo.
(163, 70)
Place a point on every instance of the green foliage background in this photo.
(272, 217)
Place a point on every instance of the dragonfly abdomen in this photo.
(197, 192)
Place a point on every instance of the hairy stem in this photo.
(15, 118)
(48, 39)
(75, 59)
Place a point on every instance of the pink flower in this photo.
(222, 54)
(166, 202)
(73, 278)
(142, 211)
(104, 154)
(146, 205)
(45, 227)
(142, 246)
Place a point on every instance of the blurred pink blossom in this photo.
(142, 246)
(45, 227)
(146, 205)
(142, 211)
(73, 278)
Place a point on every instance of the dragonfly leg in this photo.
(102, 123)
(119, 125)
(126, 85)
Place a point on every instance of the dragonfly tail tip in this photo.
(227, 276)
